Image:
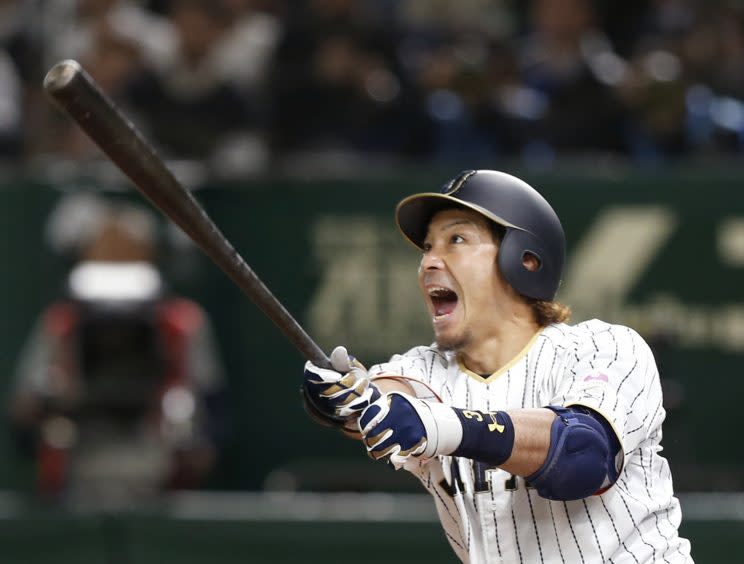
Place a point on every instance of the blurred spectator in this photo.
(336, 86)
(564, 59)
(245, 50)
(493, 19)
(682, 103)
(19, 64)
(712, 53)
(728, 73)
(116, 388)
(653, 88)
(111, 39)
(192, 109)
(665, 18)
(11, 108)
(72, 28)
(113, 61)
(20, 36)
(236, 82)
(508, 106)
(456, 84)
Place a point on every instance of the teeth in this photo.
(433, 291)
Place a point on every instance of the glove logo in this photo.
(495, 425)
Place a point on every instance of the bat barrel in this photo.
(60, 75)
(76, 92)
(78, 95)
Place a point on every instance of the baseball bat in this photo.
(78, 95)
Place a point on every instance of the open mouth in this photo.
(443, 301)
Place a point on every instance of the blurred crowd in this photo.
(240, 84)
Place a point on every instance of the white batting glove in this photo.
(398, 426)
(340, 393)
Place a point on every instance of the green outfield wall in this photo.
(233, 528)
(146, 540)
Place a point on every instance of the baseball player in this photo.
(539, 441)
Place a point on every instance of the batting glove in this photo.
(335, 396)
(397, 427)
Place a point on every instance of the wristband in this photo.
(486, 436)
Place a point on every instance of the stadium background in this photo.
(638, 150)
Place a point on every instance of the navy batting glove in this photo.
(339, 394)
(399, 426)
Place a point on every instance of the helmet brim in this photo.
(414, 213)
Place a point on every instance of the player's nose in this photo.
(431, 260)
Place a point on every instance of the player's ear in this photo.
(531, 262)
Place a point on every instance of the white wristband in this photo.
(443, 427)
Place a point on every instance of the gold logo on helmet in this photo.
(456, 183)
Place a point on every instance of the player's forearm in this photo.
(531, 440)
(531, 432)
(566, 453)
(517, 441)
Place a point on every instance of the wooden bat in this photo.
(75, 91)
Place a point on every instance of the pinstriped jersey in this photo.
(491, 516)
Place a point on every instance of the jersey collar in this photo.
(491, 377)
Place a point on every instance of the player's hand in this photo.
(398, 426)
(339, 394)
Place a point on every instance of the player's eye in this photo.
(426, 247)
(455, 239)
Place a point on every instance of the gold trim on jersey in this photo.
(519, 356)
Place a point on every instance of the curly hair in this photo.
(547, 312)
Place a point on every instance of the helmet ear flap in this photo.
(530, 283)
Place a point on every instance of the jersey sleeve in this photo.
(612, 371)
(419, 368)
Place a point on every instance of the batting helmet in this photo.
(531, 225)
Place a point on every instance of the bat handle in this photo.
(316, 355)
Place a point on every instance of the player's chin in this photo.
(448, 335)
(449, 342)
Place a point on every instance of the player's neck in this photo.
(499, 345)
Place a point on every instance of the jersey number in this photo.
(480, 479)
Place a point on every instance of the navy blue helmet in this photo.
(532, 226)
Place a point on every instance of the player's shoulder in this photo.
(587, 330)
(596, 335)
(415, 358)
(598, 329)
(425, 352)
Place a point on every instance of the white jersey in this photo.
(490, 516)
